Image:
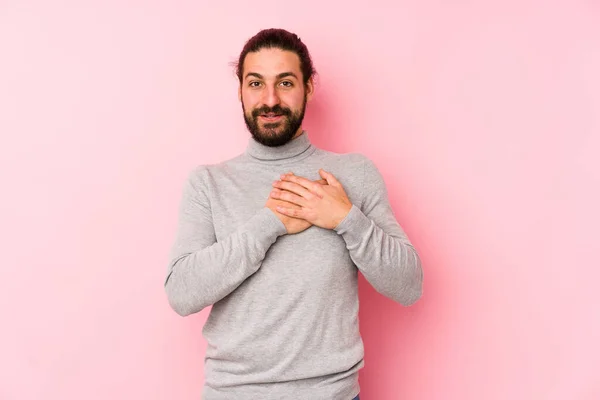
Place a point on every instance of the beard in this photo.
(274, 134)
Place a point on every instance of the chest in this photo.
(240, 194)
(315, 256)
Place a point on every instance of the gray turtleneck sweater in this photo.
(284, 317)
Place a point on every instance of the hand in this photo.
(292, 225)
(321, 205)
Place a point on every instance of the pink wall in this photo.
(484, 120)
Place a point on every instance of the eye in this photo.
(254, 84)
(287, 83)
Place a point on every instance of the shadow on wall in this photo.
(399, 341)
(389, 330)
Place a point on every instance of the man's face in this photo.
(273, 96)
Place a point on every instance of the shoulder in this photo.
(355, 160)
(204, 174)
(356, 163)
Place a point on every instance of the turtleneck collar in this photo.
(292, 150)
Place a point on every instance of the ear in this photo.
(310, 89)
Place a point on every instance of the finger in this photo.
(294, 188)
(319, 181)
(290, 212)
(288, 196)
(307, 184)
(283, 203)
(331, 180)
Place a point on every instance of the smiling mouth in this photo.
(270, 116)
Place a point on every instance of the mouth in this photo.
(270, 117)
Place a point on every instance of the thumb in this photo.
(331, 180)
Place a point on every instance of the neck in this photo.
(295, 148)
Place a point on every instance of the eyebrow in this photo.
(279, 76)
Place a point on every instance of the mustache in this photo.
(276, 109)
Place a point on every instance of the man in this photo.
(274, 238)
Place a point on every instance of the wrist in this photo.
(343, 214)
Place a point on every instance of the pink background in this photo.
(484, 119)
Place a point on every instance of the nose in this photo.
(270, 96)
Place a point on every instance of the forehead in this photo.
(271, 62)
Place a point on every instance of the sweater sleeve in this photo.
(203, 270)
(378, 245)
